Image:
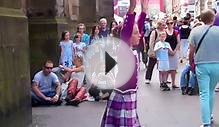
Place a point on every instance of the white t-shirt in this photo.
(79, 48)
(78, 76)
(161, 49)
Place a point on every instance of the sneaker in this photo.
(165, 87)
(97, 98)
(205, 125)
(212, 118)
(162, 86)
(90, 98)
(147, 81)
(217, 89)
(191, 92)
(183, 89)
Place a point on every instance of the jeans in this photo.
(208, 76)
(39, 101)
(188, 77)
(184, 47)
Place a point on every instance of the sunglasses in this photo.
(48, 67)
(171, 23)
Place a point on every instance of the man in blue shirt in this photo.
(46, 88)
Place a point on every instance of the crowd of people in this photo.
(166, 44)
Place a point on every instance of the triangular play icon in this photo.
(109, 62)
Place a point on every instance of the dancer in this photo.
(121, 107)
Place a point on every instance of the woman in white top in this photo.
(76, 90)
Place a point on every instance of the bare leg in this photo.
(161, 76)
(173, 77)
(165, 75)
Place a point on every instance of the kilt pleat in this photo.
(121, 110)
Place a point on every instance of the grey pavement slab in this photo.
(155, 108)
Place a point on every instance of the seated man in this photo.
(188, 81)
(46, 87)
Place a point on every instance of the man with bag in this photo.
(203, 42)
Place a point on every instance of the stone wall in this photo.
(46, 22)
(105, 9)
(15, 109)
(45, 29)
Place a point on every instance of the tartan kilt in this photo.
(121, 110)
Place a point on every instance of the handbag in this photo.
(151, 52)
(145, 56)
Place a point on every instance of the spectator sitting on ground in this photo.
(46, 87)
(188, 81)
(76, 90)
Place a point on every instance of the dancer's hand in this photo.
(144, 5)
(132, 6)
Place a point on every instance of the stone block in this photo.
(44, 35)
(15, 108)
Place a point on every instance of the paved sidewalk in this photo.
(155, 108)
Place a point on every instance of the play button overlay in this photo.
(109, 63)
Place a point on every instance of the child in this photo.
(162, 49)
(66, 46)
(121, 109)
(76, 90)
(79, 47)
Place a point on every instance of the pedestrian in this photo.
(162, 50)
(173, 39)
(203, 41)
(153, 39)
(184, 31)
(121, 109)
